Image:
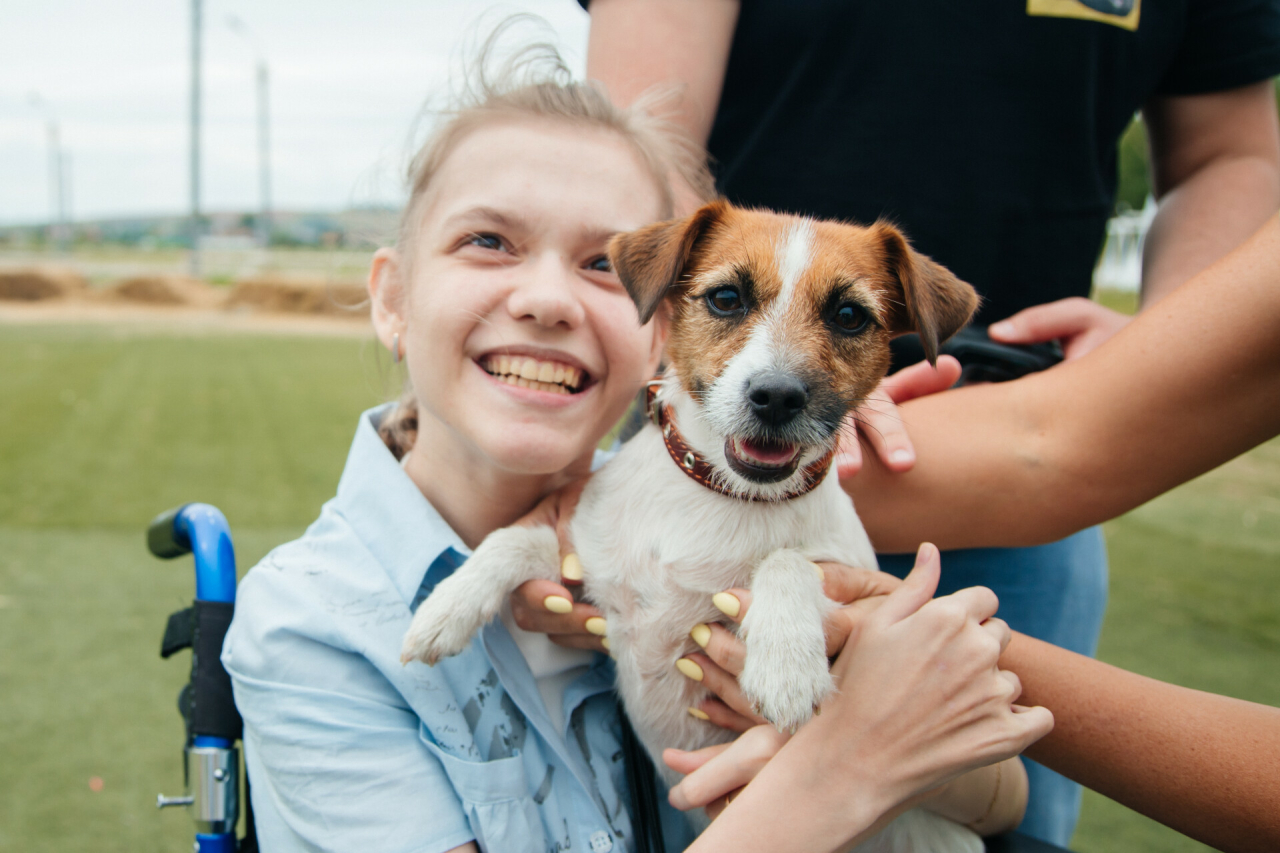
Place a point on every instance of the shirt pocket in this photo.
(496, 797)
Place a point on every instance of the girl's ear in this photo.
(386, 295)
(650, 260)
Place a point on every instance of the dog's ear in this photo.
(650, 260)
(934, 303)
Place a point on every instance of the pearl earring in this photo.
(395, 347)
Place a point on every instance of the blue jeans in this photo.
(1057, 593)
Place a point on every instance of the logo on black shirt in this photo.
(1119, 13)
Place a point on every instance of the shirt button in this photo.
(601, 842)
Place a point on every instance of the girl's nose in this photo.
(547, 294)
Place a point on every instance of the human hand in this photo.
(920, 700)
(723, 655)
(547, 607)
(714, 774)
(926, 700)
(878, 422)
(1082, 325)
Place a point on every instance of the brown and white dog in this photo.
(780, 326)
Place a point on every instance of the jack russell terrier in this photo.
(780, 326)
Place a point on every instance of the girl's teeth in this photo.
(549, 376)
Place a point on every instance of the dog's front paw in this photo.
(439, 630)
(785, 688)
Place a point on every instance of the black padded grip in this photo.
(162, 539)
(213, 709)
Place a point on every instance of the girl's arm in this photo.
(1189, 384)
(1206, 765)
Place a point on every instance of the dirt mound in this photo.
(294, 297)
(166, 290)
(37, 283)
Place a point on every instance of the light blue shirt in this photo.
(348, 750)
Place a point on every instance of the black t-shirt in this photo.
(987, 131)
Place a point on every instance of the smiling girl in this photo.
(521, 350)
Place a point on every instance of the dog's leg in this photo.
(466, 600)
(785, 674)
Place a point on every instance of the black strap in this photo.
(178, 632)
(213, 709)
(642, 779)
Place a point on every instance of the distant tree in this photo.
(1134, 163)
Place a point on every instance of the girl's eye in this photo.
(850, 318)
(486, 241)
(600, 264)
(725, 301)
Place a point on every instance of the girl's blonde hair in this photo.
(535, 83)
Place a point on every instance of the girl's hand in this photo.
(546, 607)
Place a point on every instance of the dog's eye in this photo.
(850, 318)
(725, 301)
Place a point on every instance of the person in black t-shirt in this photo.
(988, 132)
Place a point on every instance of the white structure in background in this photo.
(1120, 267)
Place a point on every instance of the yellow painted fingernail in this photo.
(604, 641)
(689, 669)
(597, 626)
(821, 574)
(558, 604)
(698, 713)
(727, 604)
(571, 568)
(701, 635)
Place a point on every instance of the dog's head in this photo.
(781, 324)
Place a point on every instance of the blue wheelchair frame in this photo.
(212, 760)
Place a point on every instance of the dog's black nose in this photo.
(776, 398)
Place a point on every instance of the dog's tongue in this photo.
(767, 452)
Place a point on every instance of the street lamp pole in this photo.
(59, 166)
(194, 225)
(264, 125)
(264, 157)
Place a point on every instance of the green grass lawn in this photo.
(101, 429)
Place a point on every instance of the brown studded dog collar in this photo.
(700, 470)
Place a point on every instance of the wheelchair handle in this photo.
(211, 763)
(202, 530)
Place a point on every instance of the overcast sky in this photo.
(348, 78)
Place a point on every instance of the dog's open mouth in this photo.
(553, 377)
(762, 460)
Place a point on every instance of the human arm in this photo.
(635, 45)
(1206, 765)
(336, 757)
(1215, 163)
(1189, 384)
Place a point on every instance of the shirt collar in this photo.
(399, 526)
